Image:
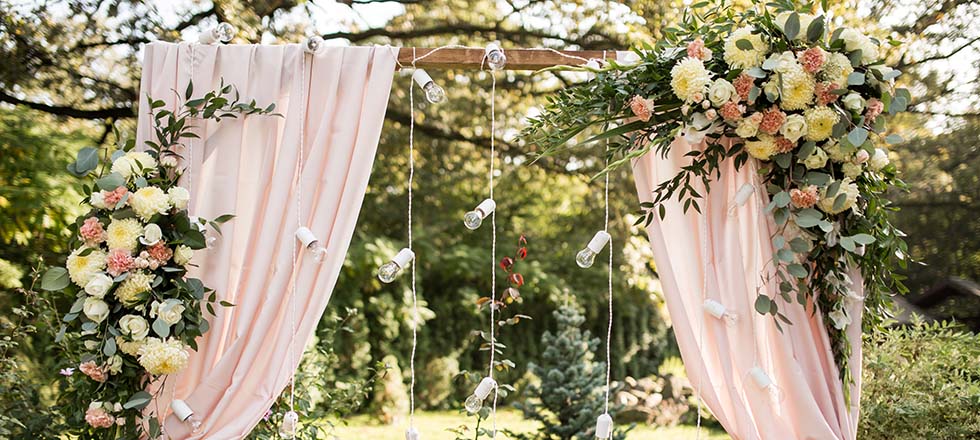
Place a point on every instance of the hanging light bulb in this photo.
(718, 310)
(604, 427)
(391, 269)
(433, 93)
(586, 256)
(474, 403)
(412, 434)
(474, 218)
(764, 382)
(186, 415)
(495, 57)
(222, 33)
(309, 241)
(289, 426)
(313, 45)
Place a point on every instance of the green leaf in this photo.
(88, 160)
(161, 328)
(840, 201)
(756, 72)
(807, 149)
(856, 57)
(618, 131)
(78, 305)
(110, 182)
(847, 243)
(857, 136)
(117, 154)
(782, 199)
(785, 255)
(195, 239)
(763, 304)
(833, 189)
(109, 348)
(815, 31)
(796, 270)
(778, 242)
(55, 279)
(863, 238)
(817, 178)
(224, 218)
(744, 44)
(190, 90)
(792, 26)
(894, 139)
(138, 401)
(799, 245)
(855, 79)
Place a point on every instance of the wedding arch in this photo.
(754, 141)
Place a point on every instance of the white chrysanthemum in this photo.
(689, 79)
(163, 357)
(129, 347)
(850, 191)
(741, 58)
(797, 90)
(762, 149)
(149, 201)
(81, 269)
(123, 234)
(133, 163)
(836, 151)
(183, 255)
(179, 197)
(820, 122)
(816, 160)
(851, 169)
(836, 68)
(130, 290)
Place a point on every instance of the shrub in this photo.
(921, 382)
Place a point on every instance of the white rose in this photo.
(746, 128)
(116, 407)
(794, 128)
(134, 326)
(179, 197)
(817, 159)
(869, 52)
(879, 160)
(169, 311)
(123, 166)
(151, 234)
(805, 20)
(784, 62)
(98, 285)
(720, 92)
(95, 309)
(183, 255)
(853, 40)
(854, 102)
(97, 200)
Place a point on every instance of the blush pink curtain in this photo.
(721, 255)
(333, 105)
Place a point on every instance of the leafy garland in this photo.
(809, 104)
(135, 313)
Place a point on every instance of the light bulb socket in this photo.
(196, 223)
(216, 34)
(599, 241)
(593, 64)
(714, 308)
(313, 45)
(486, 207)
(492, 47)
(305, 236)
(421, 77)
(412, 434)
(484, 388)
(744, 193)
(181, 410)
(627, 57)
(403, 257)
(759, 376)
(604, 426)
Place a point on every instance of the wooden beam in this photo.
(517, 59)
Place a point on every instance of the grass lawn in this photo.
(433, 426)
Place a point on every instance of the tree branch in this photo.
(903, 64)
(603, 41)
(112, 112)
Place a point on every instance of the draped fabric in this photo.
(722, 255)
(332, 106)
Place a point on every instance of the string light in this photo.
(313, 45)
(495, 57)
(433, 93)
(310, 242)
(390, 270)
(290, 425)
(586, 257)
(604, 427)
(474, 218)
(474, 403)
(762, 380)
(222, 33)
(604, 424)
(718, 310)
(412, 433)
(186, 415)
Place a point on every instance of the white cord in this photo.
(493, 247)
(704, 290)
(299, 223)
(610, 326)
(415, 301)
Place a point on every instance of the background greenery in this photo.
(71, 69)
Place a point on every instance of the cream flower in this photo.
(183, 255)
(95, 309)
(151, 234)
(81, 269)
(784, 62)
(850, 191)
(852, 169)
(97, 200)
(149, 201)
(817, 159)
(820, 122)
(771, 88)
(169, 311)
(134, 326)
(133, 163)
(130, 290)
(124, 234)
(748, 127)
(721, 91)
(794, 128)
(163, 357)
(797, 89)
(129, 347)
(837, 152)
(836, 68)
(98, 285)
(689, 79)
(745, 59)
(179, 197)
(114, 365)
(879, 160)
(762, 149)
(854, 102)
(855, 40)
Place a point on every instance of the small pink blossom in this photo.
(93, 371)
(731, 111)
(91, 231)
(874, 108)
(861, 157)
(641, 107)
(119, 262)
(784, 145)
(812, 59)
(67, 372)
(711, 114)
(160, 252)
(824, 92)
(743, 86)
(696, 49)
(113, 197)
(772, 119)
(99, 418)
(804, 198)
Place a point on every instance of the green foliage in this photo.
(570, 390)
(921, 382)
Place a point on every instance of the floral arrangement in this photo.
(135, 313)
(776, 85)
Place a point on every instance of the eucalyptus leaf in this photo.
(894, 139)
(139, 401)
(815, 31)
(55, 279)
(782, 199)
(855, 79)
(109, 348)
(744, 44)
(863, 238)
(763, 304)
(792, 26)
(797, 270)
(110, 182)
(857, 136)
(847, 243)
(87, 160)
(161, 328)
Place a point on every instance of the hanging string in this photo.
(493, 246)
(415, 300)
(299, 224)
(704, 292)
(610, 279)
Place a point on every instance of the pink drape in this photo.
(721, 256)
(333, 104)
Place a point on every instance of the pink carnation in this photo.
(99, 418)
(119, 262)
(743, 85)
(113, 197)
(772, 119)
(804, 198)
(784, 145)
(93, 371)
(731, 111)
(160, 252)
(824, 91)
(91, 231)
(875, 107)
(812, 59)
(641, 107)
(696, 50)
